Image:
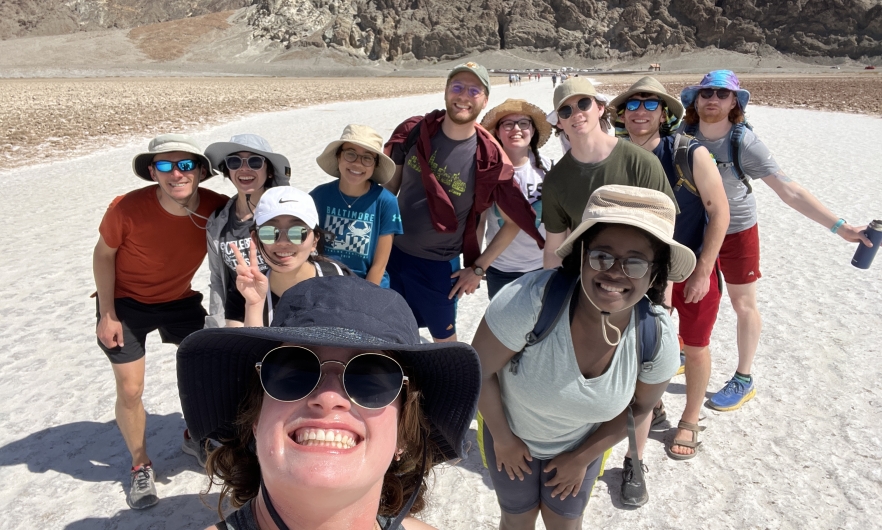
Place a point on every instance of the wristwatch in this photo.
(478, 270)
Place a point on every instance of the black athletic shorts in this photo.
(174, 320)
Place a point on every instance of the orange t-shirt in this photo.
(157, 252)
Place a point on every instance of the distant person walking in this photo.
(553, 79)
(151, 244)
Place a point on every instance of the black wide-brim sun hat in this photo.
(216, 366)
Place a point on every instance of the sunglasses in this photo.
(634, 268)
(166, 166)
(350, 155)
(722, 93)
(471, 91)
(235, 162)
(292, 373)
(566, 111)
(270, 235)
(648, 104)
(523, 125)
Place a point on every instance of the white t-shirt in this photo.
(522, 255)
(548, 403)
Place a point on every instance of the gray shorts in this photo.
(516, 496)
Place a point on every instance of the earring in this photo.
(398, 455)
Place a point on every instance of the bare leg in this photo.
(451, 338)
(554, 521)
(642, 434)
(750, 323)
(131, 418)
(698, 370)
(521, 521)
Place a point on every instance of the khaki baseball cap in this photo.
(473, 68)
(574, 86)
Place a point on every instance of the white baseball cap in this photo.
(286, 200)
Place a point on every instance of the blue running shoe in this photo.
(733, 395)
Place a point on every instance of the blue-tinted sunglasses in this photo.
(648, 104)
(165, 166)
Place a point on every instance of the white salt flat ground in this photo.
(805, 453)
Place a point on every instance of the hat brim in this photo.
(141, 163)
(383, 171)
(215, 368)
(218, 151)
(516, 106)
(682, 258)
(672, 102)
(688, 94)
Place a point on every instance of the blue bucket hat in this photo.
(717, 79)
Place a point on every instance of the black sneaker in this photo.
(142, 494)
(633, 489)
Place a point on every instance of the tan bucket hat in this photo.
(649, 85)
(362, 136)
(168, 143)
(643, 208)
(519, 106)
(574, 86)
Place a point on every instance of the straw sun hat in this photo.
(519, 106)
(649, 210)
(362, 136)
(649, 85)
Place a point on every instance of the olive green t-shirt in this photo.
(568, 185)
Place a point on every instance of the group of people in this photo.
(620, 230)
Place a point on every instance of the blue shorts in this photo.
(425, 284)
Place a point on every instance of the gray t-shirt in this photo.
(453, 163)
(548, 403)
(756, 162)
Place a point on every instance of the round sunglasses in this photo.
(648, 104)
(566, 111)
(370, 380)
(722, 93)
(165, 166)
(270, 235)
(235, 162)
(634, 268)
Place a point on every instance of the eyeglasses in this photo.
(350, 155)
(270, 235)
(166, 166)
(648, 104)
(470, 90)
(292, 373)
(566, 111)
(234, 162)
(722, 93)
(523, 125)
(635, 268)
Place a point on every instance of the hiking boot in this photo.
(633, 490)
(733, 395)
(194, 448)
(142, 494)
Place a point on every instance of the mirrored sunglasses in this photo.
(292, 373)
(235, 162)
(722, 93)
(523, 125)
(470, 90)
(635, 268)
(350, 155)
(566, 111)
(270, 235)
(648, 104)
(166, 166)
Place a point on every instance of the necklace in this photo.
(651, 136)
(343, 197)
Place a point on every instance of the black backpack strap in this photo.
(557, 291)
(735, 153)
(648, 333)
(682, 166)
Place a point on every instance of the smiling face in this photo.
(355, 173)
(245, 179)
(641, 122)
(289, 437)
(714, 110)
(516, 140)
(612, 290)
(462, 108)
(284, 256)
(179, 185)
(584, 123)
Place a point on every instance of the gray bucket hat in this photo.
(258, 145)
(168, 143)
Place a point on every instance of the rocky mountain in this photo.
(391, 30)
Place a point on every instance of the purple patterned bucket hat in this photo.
(716, 79)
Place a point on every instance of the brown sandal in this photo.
(694, 444)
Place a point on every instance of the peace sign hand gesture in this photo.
(252, 283)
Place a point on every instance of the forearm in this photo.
(381, 259)
(254, 315)
(104, 270)
(490, 407)
(553, 241)
(498, 244)
(714, 234)
(808, 205)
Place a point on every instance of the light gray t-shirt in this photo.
(548, 403)
(453, 163)
(756, 162)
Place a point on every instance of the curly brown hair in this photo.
(235, 468)
(736, 115)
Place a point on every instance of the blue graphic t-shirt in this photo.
(357, 228)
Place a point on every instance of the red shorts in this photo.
(697, 319)
(739, 257)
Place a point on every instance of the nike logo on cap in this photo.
(281, 201)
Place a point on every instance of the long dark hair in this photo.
(661, 262)
(534, 141)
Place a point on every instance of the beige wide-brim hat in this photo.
(649, 85)
(643, 208)
(169, 143)
(519, 106)
(362, 136)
